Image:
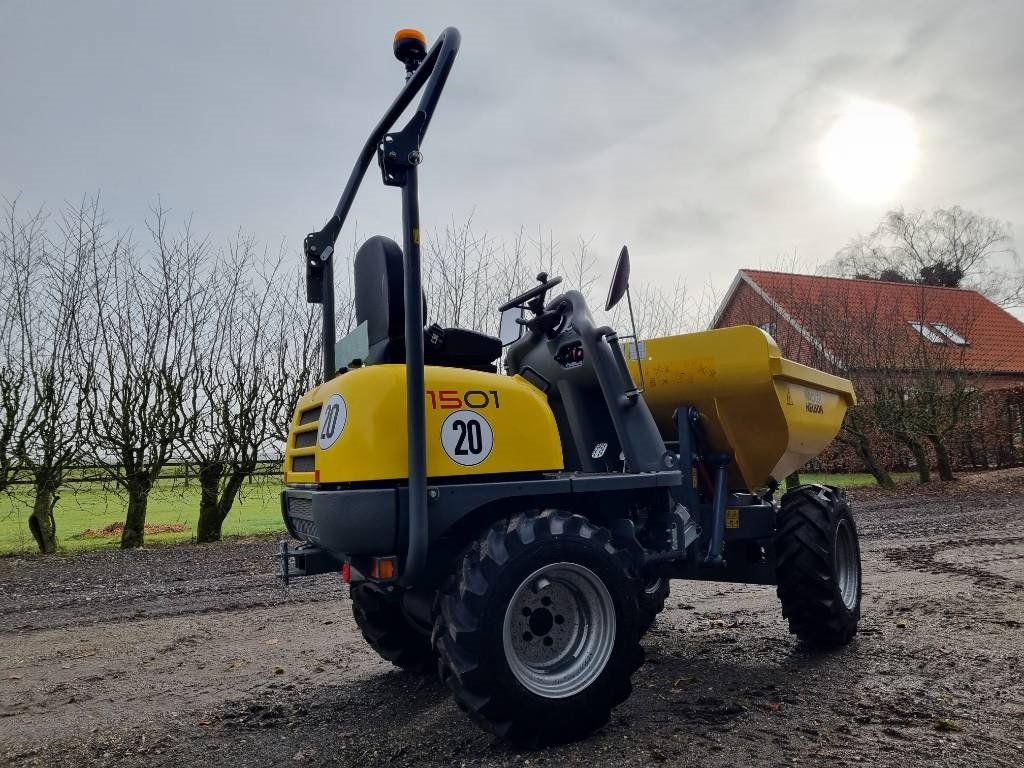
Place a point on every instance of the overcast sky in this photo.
(688, 130)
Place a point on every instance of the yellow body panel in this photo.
(477, 424)
(771, 414)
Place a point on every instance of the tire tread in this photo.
(386, 629)
(806, 583)
(457, 641)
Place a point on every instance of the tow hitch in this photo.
(304, 560)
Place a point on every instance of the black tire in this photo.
(389, 631)
(651, 601)
(817, 556)
(470, 632)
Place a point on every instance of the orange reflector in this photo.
(415, 34)
(346, 573)
(384, 568)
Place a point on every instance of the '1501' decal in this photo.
(453, 400)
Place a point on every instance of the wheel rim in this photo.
(652, 586)
(847, 564)
(559, 630)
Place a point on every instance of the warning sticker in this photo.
(467, 437)
(732, 518)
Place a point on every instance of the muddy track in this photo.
(193, 656)
(967, 557)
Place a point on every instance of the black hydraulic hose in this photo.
(719, 500)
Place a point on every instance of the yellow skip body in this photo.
(772, 414)
(353, 428)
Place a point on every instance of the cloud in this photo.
(687, 130)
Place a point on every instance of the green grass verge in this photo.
(91, 506)
(85, 506)
(852, 480)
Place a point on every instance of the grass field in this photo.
(89, 506)
(84, 506)
(852, 480)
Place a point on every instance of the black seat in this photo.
(379, 297)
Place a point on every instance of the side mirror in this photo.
(620, 280)
(509, 330)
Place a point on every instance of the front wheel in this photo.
(817, 557)
(538, 633)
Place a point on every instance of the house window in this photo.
(950, 334)
(768, 328)
(927, 332)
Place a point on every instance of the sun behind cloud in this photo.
(870, 151)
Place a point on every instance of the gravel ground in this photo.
(185, 656)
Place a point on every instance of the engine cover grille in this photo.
(300, 513)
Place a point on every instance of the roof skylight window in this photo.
(950, 334)
(927, 332)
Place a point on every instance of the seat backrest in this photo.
(378, 278)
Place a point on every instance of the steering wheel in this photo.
(533, 293)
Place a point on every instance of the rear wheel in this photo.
(652, 601)
(538, 633)
(389, 631)
(818, 565)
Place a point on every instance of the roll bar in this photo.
(398, 155)
(430, 76)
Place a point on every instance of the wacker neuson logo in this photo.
(812, 401)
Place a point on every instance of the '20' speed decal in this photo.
(467, 437)
(332, 421)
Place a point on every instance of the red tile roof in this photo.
(995, 337)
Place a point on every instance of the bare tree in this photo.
(237, 390)
(41, 433)
(22, 241)
(950, 247)
(57, 328)
(856, 433)
(460, 279)
(895, 411)
(914, 384)
(296, 350)
(706, 306)
(546, 251)
(580, 269)
(656, 311)
(919, 381)
(146, 307)
(468, 274)
(946, 389)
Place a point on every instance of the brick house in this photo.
(865, 328)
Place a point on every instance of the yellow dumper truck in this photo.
(516, 530)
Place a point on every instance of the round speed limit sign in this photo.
(467, 438)
(332, 421)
